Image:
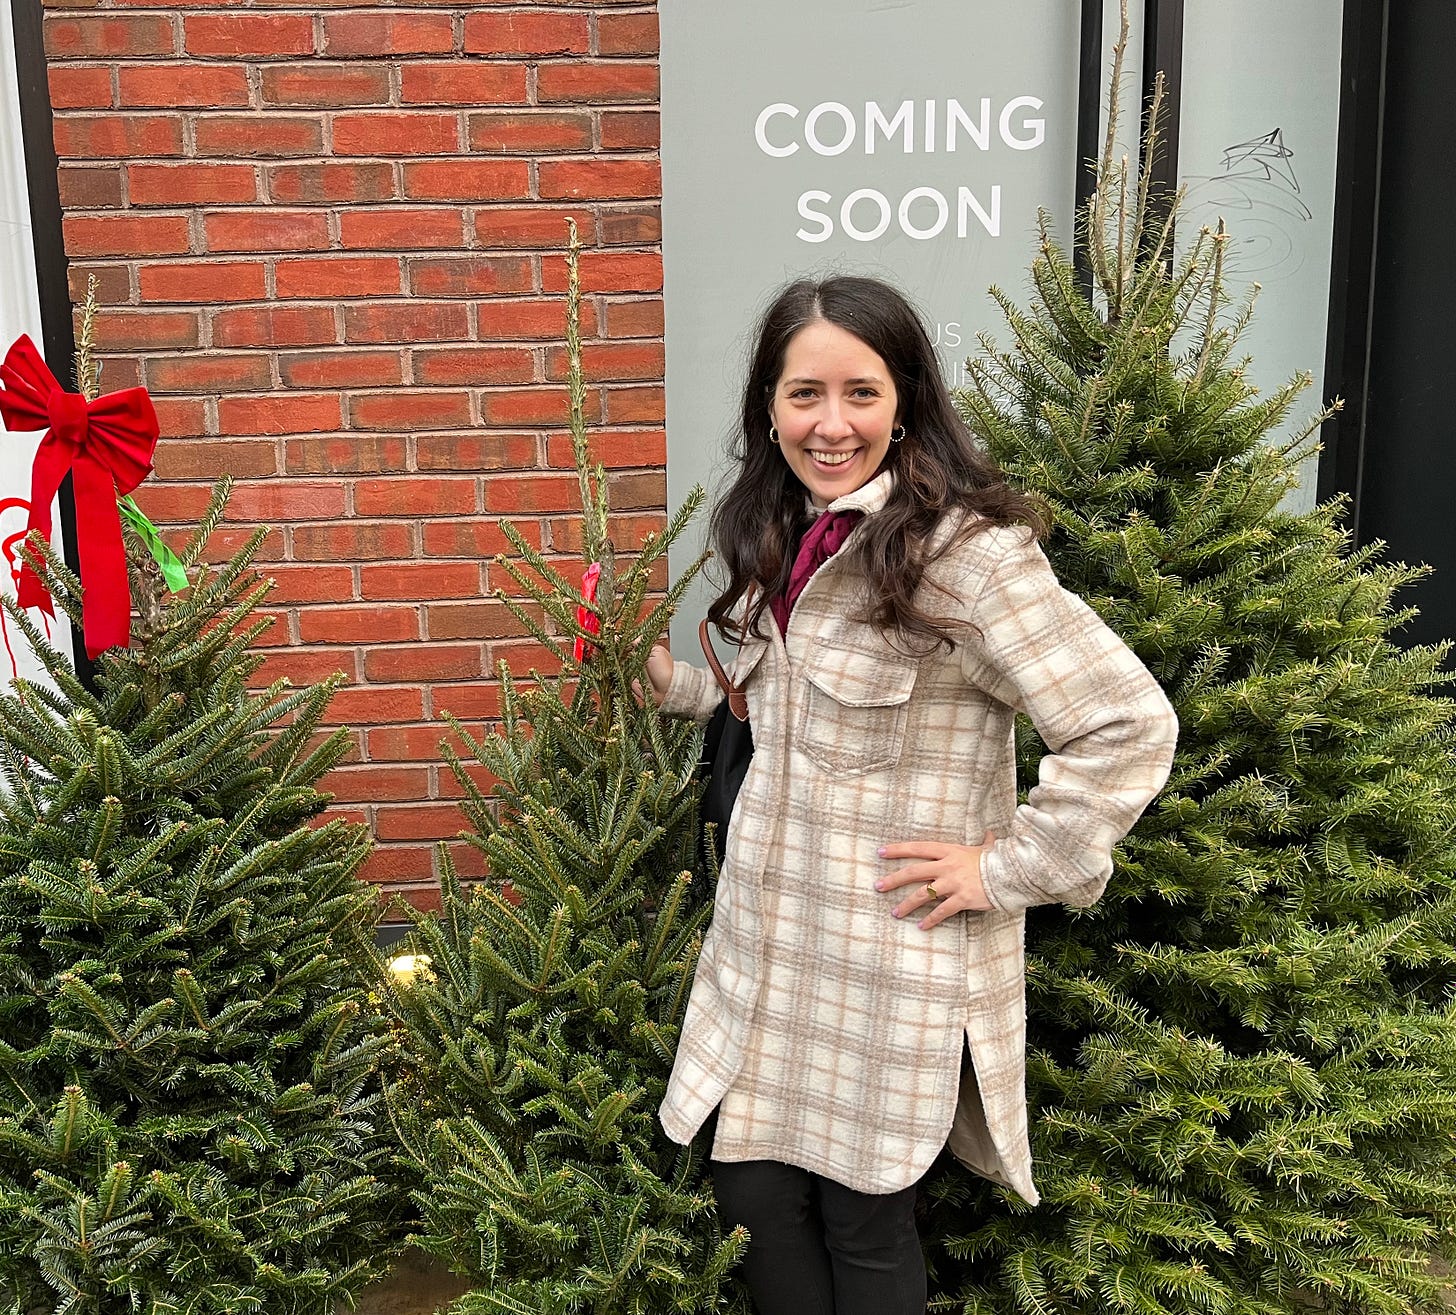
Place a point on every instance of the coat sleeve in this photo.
(1110, 728)
(693, 693)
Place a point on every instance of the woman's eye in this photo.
(800, 393)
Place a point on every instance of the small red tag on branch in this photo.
(585, 617)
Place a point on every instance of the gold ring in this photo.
(930, 890)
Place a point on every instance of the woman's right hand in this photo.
(659, 672)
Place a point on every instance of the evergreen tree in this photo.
(541, 1019)
(1243, 1060)
(191, 1112)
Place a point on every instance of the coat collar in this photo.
(868, 498)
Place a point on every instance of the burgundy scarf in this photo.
(823, 539)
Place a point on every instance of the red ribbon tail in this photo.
(52, 460)
(106, 597)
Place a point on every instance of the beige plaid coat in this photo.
(827, 1033)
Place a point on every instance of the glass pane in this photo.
(1257, 147)
(913, 140)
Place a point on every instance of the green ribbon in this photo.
(173, 572)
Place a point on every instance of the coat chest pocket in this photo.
(854, 711)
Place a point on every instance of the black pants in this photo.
(820, 1248)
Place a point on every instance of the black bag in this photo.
(727, 751)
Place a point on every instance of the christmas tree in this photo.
(541, 1010)
(1243, 1059)
(191, 1113)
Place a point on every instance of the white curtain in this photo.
(19, 308)
(19, 313)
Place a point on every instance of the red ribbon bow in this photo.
(107, 445)
(587, 619)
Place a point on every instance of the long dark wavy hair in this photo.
(938, 468)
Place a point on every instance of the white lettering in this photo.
(760, 129)
(953, 369)
(846, 214)
(980, 133)
(874, 118)
(893, 127)
(942, 213)
(991, 223)
(826, 224)
(817, 209)
(811, 128)
(1036, 126)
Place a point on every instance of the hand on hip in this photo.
(947, 877)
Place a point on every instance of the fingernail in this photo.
(879, 885)
(881, 851)
(897, 913)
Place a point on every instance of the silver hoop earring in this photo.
(897, 434)
(773, 434)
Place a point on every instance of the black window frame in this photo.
(1357, 187)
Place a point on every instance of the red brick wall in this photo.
(329, 240)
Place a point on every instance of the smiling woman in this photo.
(857, 1005)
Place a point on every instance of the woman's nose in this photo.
(833, 423)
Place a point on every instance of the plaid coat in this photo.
(827, 1033)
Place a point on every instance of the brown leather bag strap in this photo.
(737, 699)
(711, 654)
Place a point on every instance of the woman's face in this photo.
(834, 407)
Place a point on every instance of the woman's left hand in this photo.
(948, 873)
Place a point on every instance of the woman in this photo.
(867, 926)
